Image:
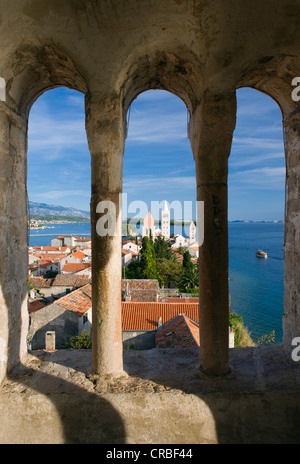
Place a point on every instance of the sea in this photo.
(255, 284)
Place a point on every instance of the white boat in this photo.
(261, 254)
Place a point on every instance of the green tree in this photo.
(169, 271)
(148, 260)
(180, 250)
(162, 249)
(187, 263)
(134, 270)
(190, 278)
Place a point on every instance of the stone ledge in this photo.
(162, 398)
(253, 369)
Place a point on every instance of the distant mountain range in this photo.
(42, 209)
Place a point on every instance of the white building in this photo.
(194, 250)
(179, 241)
(70, 241)
(165, 221)
(131, 246)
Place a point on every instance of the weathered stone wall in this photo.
(53, 318)
(138, 339)
(140, 290)
(54, 399)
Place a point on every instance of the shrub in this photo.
(79, 342)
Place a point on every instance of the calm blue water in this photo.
(255, 285)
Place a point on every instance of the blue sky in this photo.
(158, 161)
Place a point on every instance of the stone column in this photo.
(105, 133)
(13, 240)
(211, 129)
(291, 317)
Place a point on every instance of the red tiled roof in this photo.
(34, 305)
(70, 280)
(79, 301)
(79, 254)
(181, 332)
(46, 264)
(145, 315)
(74, 267)
(40, 282)
(49, 256)
(50, 248)
(178, 300)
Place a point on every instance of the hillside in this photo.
(43, 210)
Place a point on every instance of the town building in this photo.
(140, 290)
(165, 221)
(70, 241)
(56, 287)
(192, 232)
(67, 317)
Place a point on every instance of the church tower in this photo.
(193, 231)
(149, 227)
(165, 221)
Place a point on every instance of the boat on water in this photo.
(261, 254)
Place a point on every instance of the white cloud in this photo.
(161, 184)
(60, 194)
(271, 178)
(246, 160)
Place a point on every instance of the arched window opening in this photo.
(159, 250)
(59, 232)
(256, 217)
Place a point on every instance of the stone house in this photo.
(180, 332)
(141, 320)
(194, 250)
(45, 266)
(140, 289)
(73, 268)
(74, 258)
(51, 249)
(58, 286)
(68, 316)
(179, 241)
(70, 241)
(131, 246)
(147, 325)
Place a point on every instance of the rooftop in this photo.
(145, 315)
(180, 332)
(79, 301)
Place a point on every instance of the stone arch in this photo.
(31, 70)
(28, 72)
(177, 73)
(273, 75)
(212, 120)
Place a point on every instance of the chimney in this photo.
(127, 293)
(50, 341)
